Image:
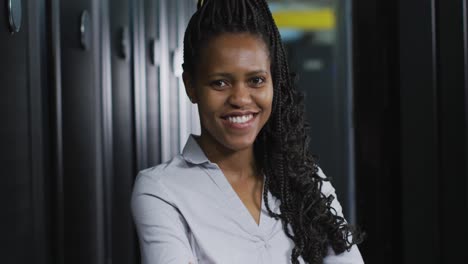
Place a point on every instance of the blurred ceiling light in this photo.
(307, 20)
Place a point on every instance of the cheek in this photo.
(210, 102)
(265, 98)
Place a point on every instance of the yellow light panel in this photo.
(323, 19)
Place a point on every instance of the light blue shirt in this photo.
(186, 211)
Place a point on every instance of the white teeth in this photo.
(239, 119)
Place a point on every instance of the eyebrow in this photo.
(228, 75)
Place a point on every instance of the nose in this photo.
(240, 95)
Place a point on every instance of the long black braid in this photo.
(281, 148)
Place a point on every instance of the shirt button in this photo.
(267, 246)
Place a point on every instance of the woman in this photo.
(246, 190)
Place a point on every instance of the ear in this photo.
(189, 87)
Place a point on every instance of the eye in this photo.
(219, 84)
(257, 81)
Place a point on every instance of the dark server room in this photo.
(93, 91)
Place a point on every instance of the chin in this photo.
(239, 143)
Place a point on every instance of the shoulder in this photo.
(172, 178)
(154, 180)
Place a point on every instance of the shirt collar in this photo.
(193, 153)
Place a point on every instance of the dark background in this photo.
(78, 123)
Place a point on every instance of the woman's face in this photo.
(233, 89)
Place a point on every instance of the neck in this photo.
(235, 164)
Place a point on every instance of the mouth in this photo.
(239, 120)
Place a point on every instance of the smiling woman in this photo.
(246, 190)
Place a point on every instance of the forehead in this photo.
(231, 51)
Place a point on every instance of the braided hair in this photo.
(281, 148)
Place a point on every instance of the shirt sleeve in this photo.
(162, 230)
(353, 256)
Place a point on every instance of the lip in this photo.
(239, 113)
(237, 126)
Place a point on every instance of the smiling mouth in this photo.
(240, 119)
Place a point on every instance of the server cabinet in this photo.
(326, 105)
(377, 126)
(179, 117)
(420, 133)
(83, 112)
(171, 107)
(81, 127)
(121, 237)
(23, 138)
(411, 117)
(154, 58)
(453, 127)
(167, 130)
(434, 134)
